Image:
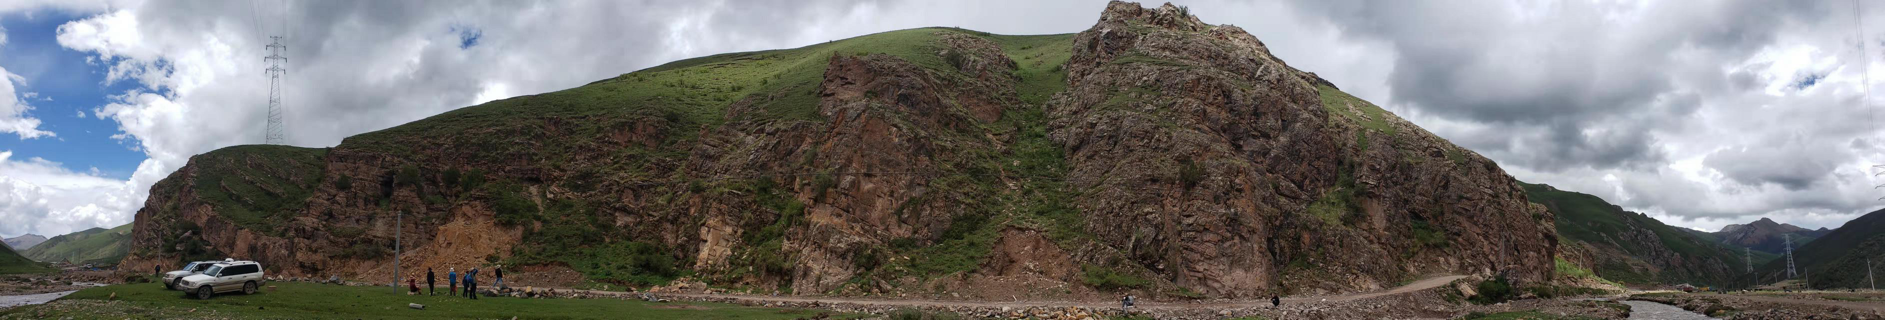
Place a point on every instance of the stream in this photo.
(31, 299)
(1658, 311)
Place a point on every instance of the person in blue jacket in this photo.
(452, 277)
(471, 284)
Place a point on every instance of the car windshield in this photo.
(201, 266)
(188, 267)
(214, 270)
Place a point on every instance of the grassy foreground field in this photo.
(304, 301)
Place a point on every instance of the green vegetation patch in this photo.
(1492, 291)
(95, 246)
(258, 187)
(919, 314)
(315, 301)
(1031, 163)
(1339, 202)
(782, 85)
(12, 263)
(1371, 117)
(1106, 278)
(1136, 57)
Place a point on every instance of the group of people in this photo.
(453, 278)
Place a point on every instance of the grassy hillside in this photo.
(1623, 257)
(913, 158)
(11, 263)
(96, 246)
(777, 87)
(1837, 260)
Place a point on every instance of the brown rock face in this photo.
(1163, 156)
(1205, 153)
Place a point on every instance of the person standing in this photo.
(499, 285)
(430, 290)
(452, 277)
(471, 284)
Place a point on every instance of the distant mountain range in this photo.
(1630, 248)
(1837, 259)
(24, 242)
(1765, 235)
(95, 245)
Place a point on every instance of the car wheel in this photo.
(248, 288)
(174, 284)
(204, 292)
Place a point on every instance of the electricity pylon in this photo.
(275, 58)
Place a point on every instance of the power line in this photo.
(1865, 77)
(255, 19)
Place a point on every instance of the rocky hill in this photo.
(25, 241)
(1765, 235)
(1838, 259)
(1633, 249)
(95, 246)
(1151, 153)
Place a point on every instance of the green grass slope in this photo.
(776, 87)
(1604, 227)
(13, 263)
(95, 246)
(1838, 259)
(295, 300)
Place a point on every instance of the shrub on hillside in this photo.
(1107, 279)
(1493, 290)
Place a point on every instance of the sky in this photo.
(1697, 113)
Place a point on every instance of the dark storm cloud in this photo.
(1793, 165)
(1579, 72)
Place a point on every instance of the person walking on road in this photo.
(430, 290)
(452, 276)
(499, 285)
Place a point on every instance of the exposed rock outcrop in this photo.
(1151, 153)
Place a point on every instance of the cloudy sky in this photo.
(1699, 113)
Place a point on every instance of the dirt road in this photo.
(1424, 284)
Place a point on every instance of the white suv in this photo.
(228, 276)
(194, 268)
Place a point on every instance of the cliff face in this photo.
(1219, 166)
(1151, 153)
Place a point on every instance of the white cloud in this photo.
(13, 111)
(40, 196)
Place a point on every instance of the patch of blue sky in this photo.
(64, 88)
